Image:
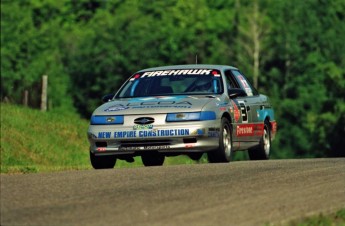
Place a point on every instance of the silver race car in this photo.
(186, 109)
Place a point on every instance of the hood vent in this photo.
(144, 120)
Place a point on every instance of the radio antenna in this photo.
(196, 58)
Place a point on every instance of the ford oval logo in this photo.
(111, 119)
(144, 120)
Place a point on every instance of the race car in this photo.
(182, 109)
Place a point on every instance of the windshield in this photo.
(172, 82)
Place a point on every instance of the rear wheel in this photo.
(224, 152)
(262, 151)
(102, 162)
(152, 159)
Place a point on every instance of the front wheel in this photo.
(224, 152)
(102, 162)
(262, 151)
(152, 159)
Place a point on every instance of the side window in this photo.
(245, 84)
(231, 82)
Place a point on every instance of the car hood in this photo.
(153, 105)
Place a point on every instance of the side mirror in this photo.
(107, 98)
(233, 93)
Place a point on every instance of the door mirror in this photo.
(107, 98)
(233, 93)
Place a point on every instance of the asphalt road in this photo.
(239, 193)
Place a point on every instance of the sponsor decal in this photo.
(116, 108)
(250, 130)
(101, 149)
(213, 132)
(158, 147)
(136, 148)
(156, 98)
(151, 104)
(147, 133)
(176, 72)
(243, 81)
(224, 104)
(164, 133)
(198, 132)
(274, 127)
(259, 129)
(136, 76)
(244, 112)
(236, 111)
(249, 91)
(245, 130)
(245, 85)
(215, 74)
(142, 127)
(105, 135)
(125, 134)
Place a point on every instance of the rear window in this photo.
(173, 82)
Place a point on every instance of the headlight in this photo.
(191, 116)
(106, 119)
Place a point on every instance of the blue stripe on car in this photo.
(262, 114)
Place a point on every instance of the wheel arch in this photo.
(228, 116)
(268, 121)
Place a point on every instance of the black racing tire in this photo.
(224, 152)
(262, 151)
(102, 162)
(152, 159)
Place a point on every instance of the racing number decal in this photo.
(243, 111)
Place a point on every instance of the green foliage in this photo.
(337, 218)
(30, 47)
(292, 50)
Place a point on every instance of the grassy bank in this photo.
(33, 141)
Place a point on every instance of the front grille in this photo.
(145, 143)
(101, 144)
(189, 140)
(144, 120)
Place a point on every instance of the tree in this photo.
(304, 47)
(30, 44)
(254, 26)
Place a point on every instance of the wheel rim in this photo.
(266, 140)
(226, 141)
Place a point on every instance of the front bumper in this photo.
(177, 138)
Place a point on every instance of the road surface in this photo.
(239, 193)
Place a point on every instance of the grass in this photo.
(34, 141)
(335, 219)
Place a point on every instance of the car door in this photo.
(248, 129)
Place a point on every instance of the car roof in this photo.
(190, 66)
